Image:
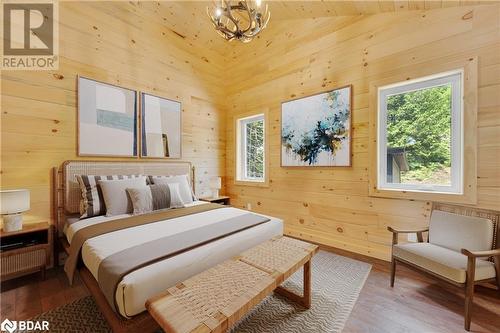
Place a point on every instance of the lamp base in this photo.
(215, 194)
(12, 222)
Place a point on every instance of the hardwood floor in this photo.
(28, 296)
(415, 304)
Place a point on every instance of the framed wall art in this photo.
(107, 119)
(161, 127)
(316, 130)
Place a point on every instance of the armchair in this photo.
(461, 250)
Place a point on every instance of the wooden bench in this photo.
(214, 300)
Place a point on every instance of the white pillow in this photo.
(184, 189)
(115, 194)
(175, 196)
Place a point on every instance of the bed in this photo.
(141, 284)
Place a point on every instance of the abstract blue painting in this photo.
(316, 130)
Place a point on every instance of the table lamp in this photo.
(12, 204)
(215, 186)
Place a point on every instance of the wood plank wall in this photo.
(301, 57)
(130, 44)
(123, 43)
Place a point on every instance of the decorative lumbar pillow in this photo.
(155, 197)
(115, 194)
(185, 190)
(92, 202)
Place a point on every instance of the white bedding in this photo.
(138, 286)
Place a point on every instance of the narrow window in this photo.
(420, 135)
(250, 146)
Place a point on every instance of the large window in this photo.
(250, 149)
(420, 135)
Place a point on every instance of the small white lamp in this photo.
(12, 204)
(215, 186)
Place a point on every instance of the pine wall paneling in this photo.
(123, 43)
(295, 58)
(151, 47)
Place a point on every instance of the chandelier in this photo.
(242, 20)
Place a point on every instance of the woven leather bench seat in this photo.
(214, 300)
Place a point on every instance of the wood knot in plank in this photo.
(468, 16)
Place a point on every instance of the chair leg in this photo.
(393, 271)
(469, 291)
(497, 269)
(469, 295)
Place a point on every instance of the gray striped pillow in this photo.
(155, 197)
(92, 201)
(185, 188)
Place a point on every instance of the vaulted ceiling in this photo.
(312, 9)
(189, 20)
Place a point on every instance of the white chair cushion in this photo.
(442, 261)
(457, 232)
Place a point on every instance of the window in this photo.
(420, 135)
(250, 149)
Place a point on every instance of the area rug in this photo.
(336, 284)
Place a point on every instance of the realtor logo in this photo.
(30, 35)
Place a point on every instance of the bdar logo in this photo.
(24, 325)
(8, 326)
(28, 28)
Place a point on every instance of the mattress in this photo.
(136, 287)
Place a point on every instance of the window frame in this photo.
(470, 129)
(241, 177)
(455, 79)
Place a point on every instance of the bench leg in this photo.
(304, 300)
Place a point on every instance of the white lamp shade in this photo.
(14, 201)
(216, 183)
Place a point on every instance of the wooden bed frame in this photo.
(64, 197)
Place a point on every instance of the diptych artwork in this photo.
(160, 127)
(316, 130)
(107, 119)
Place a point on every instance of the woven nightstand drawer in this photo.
(25, 251)
(23, 261)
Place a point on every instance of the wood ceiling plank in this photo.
(386, 6)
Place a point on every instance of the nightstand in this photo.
(223, 200)
(25, 251)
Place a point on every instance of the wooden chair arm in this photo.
(481, 254)
(398, 231)
(395, 233)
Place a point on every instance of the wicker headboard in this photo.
(68, 193)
